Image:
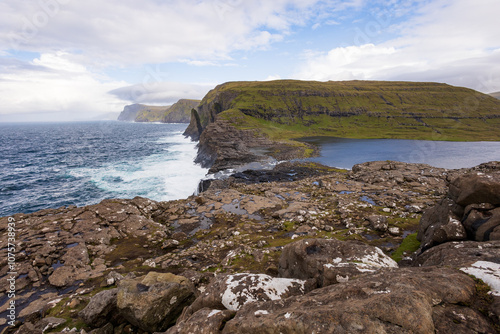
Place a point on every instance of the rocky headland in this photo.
(179, 112)
(240, 122)
(387, 247)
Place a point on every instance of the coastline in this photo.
(240, 224)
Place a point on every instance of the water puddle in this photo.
(367, 200)
(235, 208)
(57, 265)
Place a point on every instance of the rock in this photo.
(378, 223)
(441, 224)
(204, 321)
(459, 319)
(75, 267)
(100, 309)
(330, 261)
(106, 329)
(41, 326)
(476, 188)
(231, 292)
(394, 230)
(407, 300)
(153, 302)
(470, 212)
(482, 222)
(459, 254)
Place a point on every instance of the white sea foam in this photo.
(161, 177)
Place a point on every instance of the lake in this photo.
(345, 153)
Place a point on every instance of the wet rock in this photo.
(408, 300)
(153, 302)
(330, 261)
(231, 292)
(101, 308)
(204, 321)
(482, 222)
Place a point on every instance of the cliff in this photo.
(270, 115)
(179, 112)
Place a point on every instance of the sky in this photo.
(78, 60)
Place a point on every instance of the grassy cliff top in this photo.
(289, 109)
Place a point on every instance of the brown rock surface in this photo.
(331, 261)
(391, 301)
(154, 302)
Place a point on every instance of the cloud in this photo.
(53, 83)
(456, 42)
(148, 31)
(162, 93)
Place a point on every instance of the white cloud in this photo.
(272, 77)
(453, 41)
(52, 83)
(79, 40)
(155, 92)
(148, 31)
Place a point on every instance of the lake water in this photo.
(345, 153)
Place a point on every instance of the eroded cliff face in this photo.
(237, 119)
(179, 112)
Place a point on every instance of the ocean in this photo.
(49, 165)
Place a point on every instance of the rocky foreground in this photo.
(300, 249)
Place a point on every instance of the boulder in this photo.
(407, 300)
(441, 224)
(482, 222)
(331, 261)
(378, 223)
(153, 302)
(204, 321)
(475, 188)
(100, 308)
(459, 254)
(231, 292)
(471, 211)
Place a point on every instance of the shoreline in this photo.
(240, 224)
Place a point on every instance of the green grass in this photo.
(409, 245)
(179, 112)
(285, 110)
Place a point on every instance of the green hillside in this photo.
(151, 113)
(179, 112)
(289, 109)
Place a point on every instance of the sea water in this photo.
(49, 165)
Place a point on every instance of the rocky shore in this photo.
(387, 247)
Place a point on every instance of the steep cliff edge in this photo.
(262, 119)
(179, 112)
